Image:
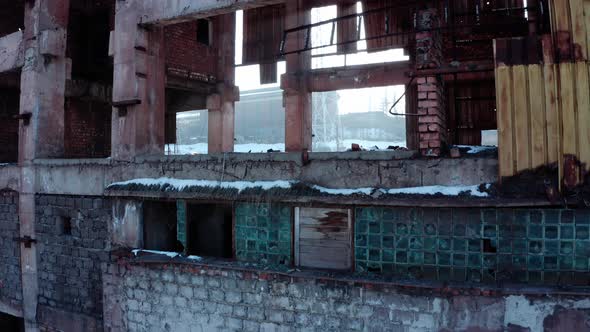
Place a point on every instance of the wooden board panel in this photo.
(560, 15)
(521, 119)
(568, 108)
(551, 114)
(504, 113)
(583, 96)
(578, 26)
(323, 238)
(536, 91)
(330, 236)
(587, 23)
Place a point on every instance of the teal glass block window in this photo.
(473, 245)
(263, 233)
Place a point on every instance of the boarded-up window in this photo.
(388, 24)
(263, 33)
(323, 238)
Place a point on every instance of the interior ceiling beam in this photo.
(356, 77)
(165, 12)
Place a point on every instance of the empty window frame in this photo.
(323, 238)
(360, 116)
(159, 226)
(204, 31)
(209, 230)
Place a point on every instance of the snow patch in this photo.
(346, 192)
(444, 190)
(475, 149)
(170, 184)
(165, 253)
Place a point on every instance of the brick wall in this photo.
(198, 298)
(10, 276)
(185, 53)
(263, 233)
(69, 264)
(533, 246)
(431, 108)
(9, 107)
(88, 129)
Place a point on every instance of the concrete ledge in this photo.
(336, 171)
(11, 309)
(213, 266)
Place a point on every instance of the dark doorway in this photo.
(210, 230)
(159, 226)
(10, 323)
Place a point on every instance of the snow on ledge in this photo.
(170, 184)
(476, 149)
(165, 253)
(441, 190)
(344, 192)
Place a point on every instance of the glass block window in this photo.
(263, 233)
(475, 245)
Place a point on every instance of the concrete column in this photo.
(297, 98)
(432, 120)
(139, 85)
(43, 79)
(221, 105)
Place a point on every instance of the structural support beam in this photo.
(11, 51)
(358, 77)
(139, 86)
(297, 96)
(43, 80)
(164, 12)
(221, 105)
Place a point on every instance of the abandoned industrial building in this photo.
(294, 165)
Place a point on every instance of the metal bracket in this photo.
(25, 117)
(27, 240)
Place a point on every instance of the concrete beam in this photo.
(164, 12)
(11, 52)
(357, 77)
(382, 169)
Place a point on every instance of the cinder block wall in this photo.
(10, 272)
(70, 277)
(176, 298)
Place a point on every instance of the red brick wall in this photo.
(88, 129)
(9, 107)
(185, 53)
